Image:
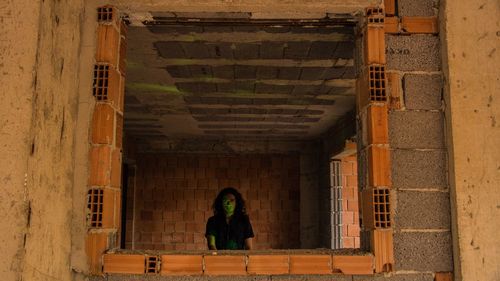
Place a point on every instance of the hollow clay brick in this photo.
(95, 245)
(391, 25)
(390, 7)
(100, 166)
(394, 90)
(375, 45)
(377, 124)
(109, 208)
(443, 276)
(350, 265)
(181, 265)
(268, 264)
(116, 168)
(225, 265)
(383, 249)
(103, 121)
(123, 264)
(310, 264)
(420, 25)
(379, 169)
(108, 39)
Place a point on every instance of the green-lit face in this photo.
(229, 204)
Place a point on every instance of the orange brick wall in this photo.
(350, 206)
(174, 194)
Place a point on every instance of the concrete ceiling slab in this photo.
(234, 80)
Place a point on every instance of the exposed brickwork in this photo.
(104, 196)
(350, 203)
(174, 194)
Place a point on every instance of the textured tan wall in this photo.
(471, 38)
(50, 167)
(18, 41)
(39, 56)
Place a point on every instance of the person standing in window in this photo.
(229, 228)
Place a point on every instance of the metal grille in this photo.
(375, 15)
(95, 206)
(381, 208)
(101, 82)
(336, 203)
(152, 265)
(104, 14)
(377, 83)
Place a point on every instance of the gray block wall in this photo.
(422, 230)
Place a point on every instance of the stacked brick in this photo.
(104, 194)
(174, 194)
(350, 203)
(422, 235)
(182, 265)
(373, 146)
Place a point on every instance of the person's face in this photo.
(229, 204)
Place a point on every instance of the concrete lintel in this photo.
(295, 8)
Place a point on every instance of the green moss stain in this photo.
(154, 88)
(134, 65)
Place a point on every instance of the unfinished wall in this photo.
(174, 194)
(470, 33)
(17, 62)
(41, 59)
(422, 229)
(350, 202)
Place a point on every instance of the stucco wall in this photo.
(471, 35)
(17, 62)
(39, 57)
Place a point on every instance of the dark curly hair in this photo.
(240, 209)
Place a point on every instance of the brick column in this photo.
(104, 194)
(374, 153)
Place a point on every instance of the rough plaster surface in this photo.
(421, 8)
(398, 277)
(411, 53)
(422, 210)
(470, 31)
(423, 91)
(50, 167)
(423, 251)
(416, 129)
(418, 168)
(17, 61)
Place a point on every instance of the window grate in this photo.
(105, 14)
(381, 206)
(152, 265)
(101, 82)
(375, 15)
(377, 83)
(336, 203)
(95, 206)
